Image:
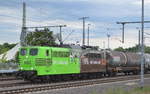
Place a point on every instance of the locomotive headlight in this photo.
(21, 68)
(31, 68)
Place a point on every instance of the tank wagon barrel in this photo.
(133, 59)
(118, 59)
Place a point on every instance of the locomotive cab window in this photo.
(23, 52)
(47, 52)
(33, 51)
(61, 54)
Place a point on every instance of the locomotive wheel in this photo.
(135, 72)
(126, 73)
(145, 71)
(111, 74)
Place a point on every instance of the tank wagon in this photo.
(123, 62)
(72, 61)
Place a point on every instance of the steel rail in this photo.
(67, 85)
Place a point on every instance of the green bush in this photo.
(3, 60)
(145, 90)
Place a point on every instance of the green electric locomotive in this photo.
(47, 61)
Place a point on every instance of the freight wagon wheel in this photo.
(109, 74)
(94, 75)
(135, 72)
(84, 76)
(145, 71)
(90, 76)
(103, 75)
(126, 73)
(98, 75)
(138, 72)
(112, 74)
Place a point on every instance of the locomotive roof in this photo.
(65, 46)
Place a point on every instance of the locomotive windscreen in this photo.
(23, 52)
(33, 51)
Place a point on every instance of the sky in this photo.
(103, 15)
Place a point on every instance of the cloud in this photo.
(140, 2)
(114, 42)
(70, 24)
(103, 14)
(91, 1)
(9, 20)
(9, 36)
(9, 11)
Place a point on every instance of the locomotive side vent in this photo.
(43, 62)
(27, 62)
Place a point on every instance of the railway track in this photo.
(14, 83)
(8, 78)
(9, 83)
(42, 87)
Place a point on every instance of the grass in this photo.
(145, 90)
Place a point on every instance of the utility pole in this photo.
(60, 26)
(108, 36)
(83, 18)
(103, 44)
(23, 33)
(139, 39)
(142, 46)
(123, 26)
(139, 43)
(88, 38)
(123, 32)
(142, 41)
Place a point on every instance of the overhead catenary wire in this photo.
(68, 35)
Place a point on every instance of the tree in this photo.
(3, 59)
(40, 38)
(133, 49)
(119, 49)
(147, 49)
(5, 47)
